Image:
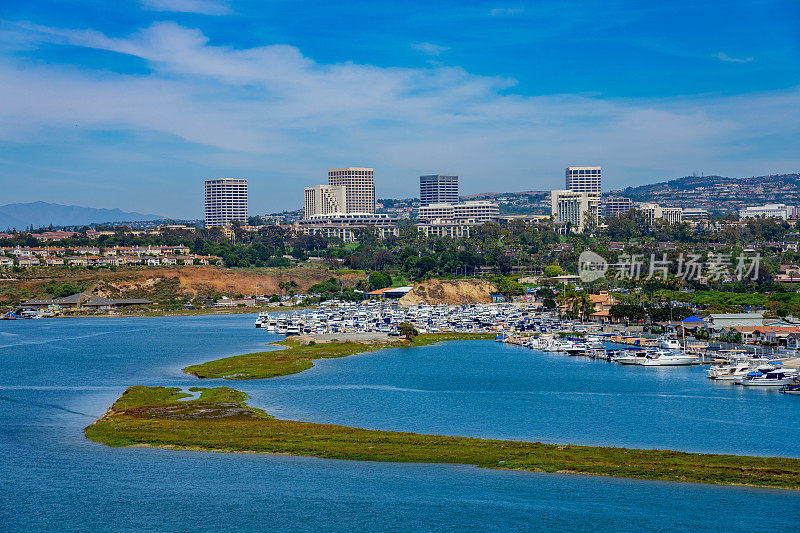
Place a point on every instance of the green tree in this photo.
(408, 331)
(552, 271)
(379, 280)
(509, 288)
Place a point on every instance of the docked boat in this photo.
(772, 378)
(792, 388)
(630, 357)
(729, 371)
(262, 320)
(577, 348)
(668, 343)
(664, 358)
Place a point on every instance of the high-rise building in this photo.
(577, 209)
(616, 205)
(438, 189)
(226, 201)
(584, 179)
(324, 200)
(359, 188)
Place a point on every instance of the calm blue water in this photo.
(57, 376)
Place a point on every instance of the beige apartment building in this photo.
(359, 188)
(324, 199)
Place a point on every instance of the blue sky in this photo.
(132, 104)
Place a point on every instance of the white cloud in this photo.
(430, 48)
(273, 108)
(202, 7)
(722, 56)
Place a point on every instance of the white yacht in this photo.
(664, 358)
(772, 378)
(578, 348)
(563, 345)
(595, 343)
(262, 320)
(729, 371)
(630, 357)
(668, 343)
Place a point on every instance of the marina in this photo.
(538, 331)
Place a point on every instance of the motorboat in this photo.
(595, 343)
(630, 357)
(772, 378)
(729, 371)
(577, 348)
(262, 320)
(563, 345)
(792, 388)
(664, 358)
(668, 343)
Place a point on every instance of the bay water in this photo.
(57, 376)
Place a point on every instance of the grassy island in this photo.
(220, 420)
(297, 356)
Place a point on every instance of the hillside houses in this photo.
(95, 256)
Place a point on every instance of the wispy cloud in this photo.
(722, 56)
(430, 48)
(505, 11)
(271, 107)
(203, 7)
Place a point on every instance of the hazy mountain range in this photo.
(42, 214)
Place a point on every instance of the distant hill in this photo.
(719, 193)
(42, 214)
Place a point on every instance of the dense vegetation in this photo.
(219, 420)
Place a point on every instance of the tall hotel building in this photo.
(359, 188)
(584, 179)
(324, 200)
(438, 189)
(226, 201)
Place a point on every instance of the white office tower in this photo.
(438, 189)
(324, 200)
(226, 201)
(359, 188)
(584, 179)
(577, 209)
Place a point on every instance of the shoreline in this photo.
(187, 312)
(221, 421)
